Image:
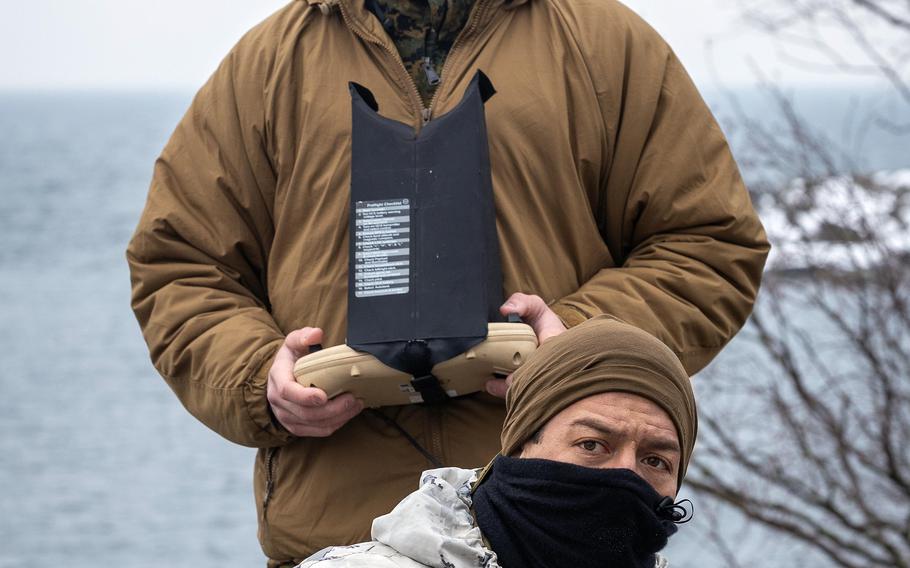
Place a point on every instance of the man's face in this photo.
(616, 431)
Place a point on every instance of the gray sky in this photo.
(176, 44)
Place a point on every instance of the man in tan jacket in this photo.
(615, 193)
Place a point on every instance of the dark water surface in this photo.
(99, 463)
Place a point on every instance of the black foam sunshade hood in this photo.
(424, 274)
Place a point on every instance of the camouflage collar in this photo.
(420, 41)
(424, 32)
(326, 6)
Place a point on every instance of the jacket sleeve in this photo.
(674, 212)
(198, 256)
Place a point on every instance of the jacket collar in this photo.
(326, 6)
(362, 21)
(434, 525)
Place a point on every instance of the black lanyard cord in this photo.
(423, 451)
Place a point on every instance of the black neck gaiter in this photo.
(547, 514)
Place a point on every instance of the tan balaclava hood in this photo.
(600, 355)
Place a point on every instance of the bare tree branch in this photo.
(818, 450)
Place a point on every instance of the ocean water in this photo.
(99, 463)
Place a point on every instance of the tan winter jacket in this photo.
(614, 189)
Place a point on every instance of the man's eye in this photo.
(591, 445)
(657, 463)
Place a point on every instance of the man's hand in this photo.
(305, 411)
(535, 312)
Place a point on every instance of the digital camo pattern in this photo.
(364, 555)
(423, 32)
(432, 526)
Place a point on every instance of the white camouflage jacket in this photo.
(430, 528)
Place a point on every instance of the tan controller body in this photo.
(341, 369)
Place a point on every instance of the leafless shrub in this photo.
(808, 437)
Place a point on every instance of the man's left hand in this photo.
(535, 312)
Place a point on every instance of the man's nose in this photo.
(624, 458)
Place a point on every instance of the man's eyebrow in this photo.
(593, 424)
(660, 444)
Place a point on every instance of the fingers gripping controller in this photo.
(341, 369)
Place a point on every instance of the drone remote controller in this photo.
(341, 369)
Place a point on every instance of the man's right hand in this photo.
(305, 411)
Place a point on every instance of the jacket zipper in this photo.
(429, 72)
(436, 435)
(479, 8)
(425, 112)
(414, 93)
(270, 458)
